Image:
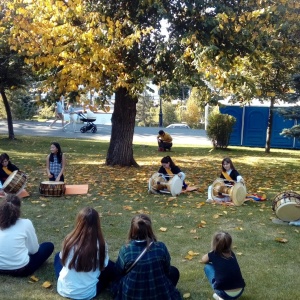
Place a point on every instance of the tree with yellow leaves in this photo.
(104, 45)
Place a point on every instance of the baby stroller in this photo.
(89, 123)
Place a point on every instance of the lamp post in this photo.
(160, 110)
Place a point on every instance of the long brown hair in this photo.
(87, 242)
(141, 229)
(229, 161)
(10, 211)
(221, 242)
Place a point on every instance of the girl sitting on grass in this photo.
(168, 168)
(143, 266)
(222, 269)
(229, 174)
(55, 163)
(6, 167)
(20, 253)
(83, 267)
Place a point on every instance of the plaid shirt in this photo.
(148, 278)
(55, 167)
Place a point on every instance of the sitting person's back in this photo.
(152, 277)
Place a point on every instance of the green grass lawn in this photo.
(270, 268)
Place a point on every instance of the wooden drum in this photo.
(287, 206)
(52, 188)
(15, 183)
(237, 192)
(158, 183)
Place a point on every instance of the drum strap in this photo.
(227, 176)
(169, 171)
(5, 169)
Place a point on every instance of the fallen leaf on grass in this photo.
(127, 207)
(179, 227)
(33, 278)
(239, 253)
(163, 229)
(281, 240)
(186, 295)
(171, 198)
(47, 284)
(191, 255)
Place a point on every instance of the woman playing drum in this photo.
(168, 168)
(6, 167)
(55, 163)
(229, 174)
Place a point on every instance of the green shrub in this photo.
(23, 108)
(219, 129)
(21, 105)
(46, 111)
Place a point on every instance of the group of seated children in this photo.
(83, 269)
(228, 173)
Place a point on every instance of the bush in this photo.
(23, 108)
(21, 105)
(219, 129)
(46, 111)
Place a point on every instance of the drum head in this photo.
(9, 179)
(289, 211)
(52, 182)
(175, 186)
(238, 194)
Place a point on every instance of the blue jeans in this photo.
(210, 274)
(35, 261)
(106, 276)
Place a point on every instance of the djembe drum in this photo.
(157, 182)
(236, 192)
(52, 188)
(15, 183)
(287, 206)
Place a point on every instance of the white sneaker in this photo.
(209, 200)
(216, 297)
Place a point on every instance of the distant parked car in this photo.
(178, 125)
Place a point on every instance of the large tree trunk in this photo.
(11, 134)
(120, 151)
(270, 125)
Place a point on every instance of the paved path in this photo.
(141, 134)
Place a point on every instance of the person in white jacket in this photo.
(20, 253)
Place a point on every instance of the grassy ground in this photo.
(270, 268)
